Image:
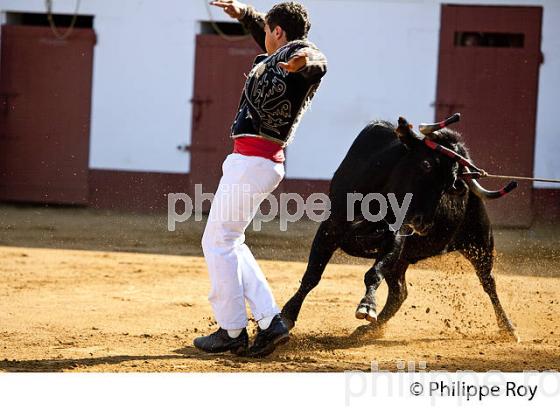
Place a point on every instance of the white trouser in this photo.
(234, 273)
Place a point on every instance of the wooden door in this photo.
(488, 70)
(45, 98)
(220, 71)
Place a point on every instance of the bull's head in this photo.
(434, 166)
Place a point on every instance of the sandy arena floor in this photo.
(99, 310)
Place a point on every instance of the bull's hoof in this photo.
(510, 334)
(507, 331)
(290, 324)
(366, 312)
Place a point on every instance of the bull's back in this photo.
(369, 161)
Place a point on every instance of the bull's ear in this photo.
(404, 132)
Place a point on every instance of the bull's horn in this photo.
(452, 154)
(483, 193)
(427, 129)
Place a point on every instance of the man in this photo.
(278, 90)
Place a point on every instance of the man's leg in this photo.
(243, 186)
(256, 289)
(223, 229)
(263, 178)
(220, 242)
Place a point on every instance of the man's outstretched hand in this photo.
(233, 8)
(296, 63)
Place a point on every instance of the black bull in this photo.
(446, 214)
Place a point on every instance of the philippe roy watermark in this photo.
(412, 379)
(237, 202)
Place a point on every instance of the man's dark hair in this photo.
(291, 17)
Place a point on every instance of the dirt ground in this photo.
(85, 290)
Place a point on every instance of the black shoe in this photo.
(267, 340)
(219, 342)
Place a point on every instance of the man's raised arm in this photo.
(247, 15)
(308, 61)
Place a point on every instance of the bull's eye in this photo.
(426, 166)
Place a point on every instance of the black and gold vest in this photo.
(273, 100)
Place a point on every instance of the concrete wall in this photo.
(144, 69)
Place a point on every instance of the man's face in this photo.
(270, 42)
(274, 38)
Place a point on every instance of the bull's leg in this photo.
(367, 309)
(385, 264)
(398, 292)
(483, 260)
(326, 241)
